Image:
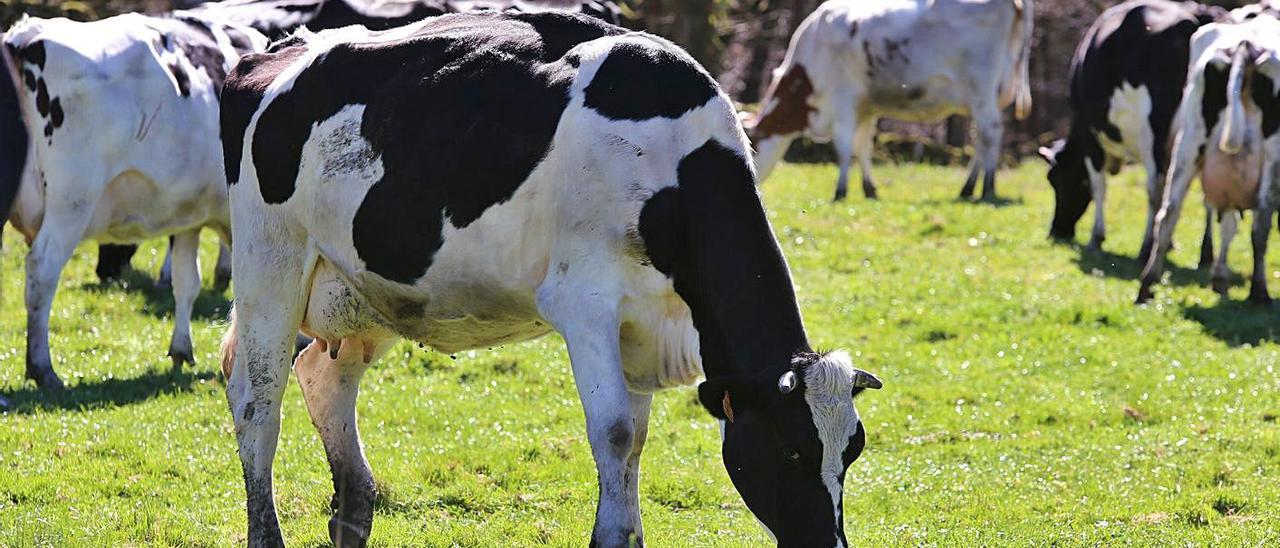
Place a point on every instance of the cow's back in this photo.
(437, 182)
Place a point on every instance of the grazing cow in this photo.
(277, 18)
(1228, 125)
(855, 61)
(1126, 83)
(617, 206)
(107, 134)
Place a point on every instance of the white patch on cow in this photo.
(1130, 111)
(829, 393)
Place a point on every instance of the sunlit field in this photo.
(1026, 399)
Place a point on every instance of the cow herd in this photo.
(468, 173)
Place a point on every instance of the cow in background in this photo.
(854, 61)
(277, 18)
(109, 134)
(1229, 133)
(1126, 83)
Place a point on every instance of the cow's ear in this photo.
(726, 397)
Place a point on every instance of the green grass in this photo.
(1026, 400)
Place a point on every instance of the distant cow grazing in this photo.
(1229, 125)
(1126, 82)
(855, 61)
(583, 180)
(278, 18)
(107, 136)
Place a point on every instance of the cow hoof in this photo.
(1221, 286)
(1144, 295)
(180, 357)
(989, 198)
(345, 534)
(1260, 298)
(1094, 247)
(221, 281)
(840, 195)
(966, 193)
(870, 193)
(164, 283)
(4, 403)
(46, 379)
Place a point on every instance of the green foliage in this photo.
(1026, 400)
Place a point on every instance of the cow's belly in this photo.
(924, 101)
(135, 207)
(1231, 181)
(448, 318)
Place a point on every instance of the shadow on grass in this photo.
(1237, 322)
(209, 305)
(102, 393)
(994, 202)
(1122, 267)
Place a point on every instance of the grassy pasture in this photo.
(1026, 400)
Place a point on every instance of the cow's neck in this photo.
(711, 236)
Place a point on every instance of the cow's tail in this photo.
(14, 141)
(227, 352)
(1233, 134)
(1019, 90)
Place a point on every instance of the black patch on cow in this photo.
(34, 53)
(241, 97)
(505, 84)
(1214, 99)
(14, 141)
(240, 40)
(180, 78)
(710, 235)
(29, 79)
(1264, 95)
(42, 97)
(55, 112)
(639, 82)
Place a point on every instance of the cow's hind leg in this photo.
(184, 249)
(842, 143)
(222, 271)
(267, 317)
(330, 387)
(864, 149)
(990, 132)
(113, 260)
(164, 280)
(586, 315)
(1206, 243)
(63, 227)
(1220, 276)
(1258, 293)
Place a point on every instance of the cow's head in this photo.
(788, 441)
(1070, 180)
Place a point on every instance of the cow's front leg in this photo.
(640, 405)
(587, 317)
(1186, 157)
(184, 248)
(1098, 188)
(842, 143)
(330, 387)
(863, 150)
(256, 356)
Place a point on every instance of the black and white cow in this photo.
(583, 180)
(854, 61)
(1229, 133)
(1126, 82)
(277, 18)
(109, 137)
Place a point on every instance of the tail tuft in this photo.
(227, 351)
